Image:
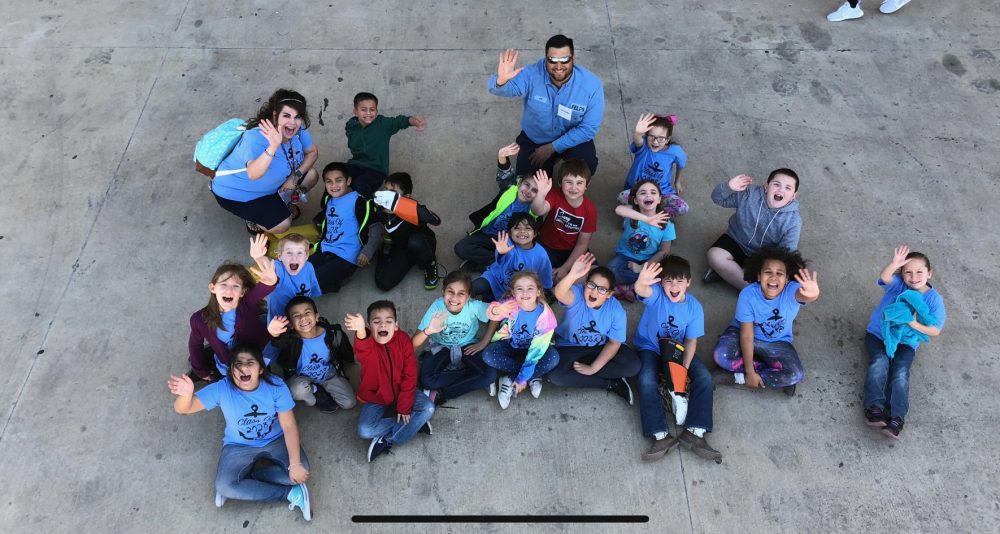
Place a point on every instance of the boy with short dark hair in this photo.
(407, 239)
(570, 217)
(368, 135)
(393, 411)
(344, 222)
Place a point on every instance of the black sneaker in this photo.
(710, 276)
(325, 402)
(789, 390)
(893, 427)
(378, 447)
(700, 447)
(874, 416)
(431, 276)
(426, 429)
(659, 448)
(621, 388)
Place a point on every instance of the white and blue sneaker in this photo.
(846, 12)
(219, 500)
(299, 496)
(892, 6)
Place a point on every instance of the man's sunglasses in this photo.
(554, 60)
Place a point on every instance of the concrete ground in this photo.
(108, 238)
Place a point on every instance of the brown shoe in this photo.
(700, 447)
(659, 448)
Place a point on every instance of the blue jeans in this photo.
(503, 357)
(236, 477)
(451, 383)
(371, 424)
(651, 409)
(619, 266)
(888, 379)
(776, 362)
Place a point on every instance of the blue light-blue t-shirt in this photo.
(583, 326)
(772, 319)
(225, 335)
(314, 360)
(663, 318)
(566, 116)
(342, 227)
(287, 158)
(500, 222)
(656, 166)
(642, 242)
(251, 416)
(891, 292)
(290, 286)
(534, 259)
(460, 328)
(523, 330)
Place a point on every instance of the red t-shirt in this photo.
(564, 223)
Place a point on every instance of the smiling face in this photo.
(573, 188)
(675, 288)
(303, 318)
(456, 294)
(336, 184)
(773, 277)
(916, 274)
(523, 235)
(228, 290)
(592, 291)
(559, 72)
(780, 191)
(526, 293)
(366, 111)
(245, 371)
(647, 198)
(288, 121)
(293, 256)
(658, 138)
(383, 325)
(527, 190)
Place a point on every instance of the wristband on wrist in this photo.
(268, 153)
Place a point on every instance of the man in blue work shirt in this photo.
(563, 106)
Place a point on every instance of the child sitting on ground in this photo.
(393, 411)
(647, 236)
(656, 160)
(313, 355)
(519, 253)
(231, 315)
(910, 312)
(757, 345)
(515, 196)
(407, 239)
(344, 222)
(672, 318)
(766, 216)
(522, 345)
(570, 217)
(452, 364)
(368, 135)
(296, 276)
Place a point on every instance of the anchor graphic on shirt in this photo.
(254, 412)
(303, 290)
(588, 335)
(773, 324)
(670, 329)
(314, 359)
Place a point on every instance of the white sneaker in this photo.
(680, 404)
(493, 389)
(892, 6)
(219, 500)
(506, 391)
(536, 387)
(740, 378)
(846, 12)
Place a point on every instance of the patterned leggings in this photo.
(777, 362)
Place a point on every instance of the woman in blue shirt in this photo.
(258, 411)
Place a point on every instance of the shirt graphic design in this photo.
(255, 424)
(567, 222)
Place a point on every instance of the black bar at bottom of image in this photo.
(500, 519)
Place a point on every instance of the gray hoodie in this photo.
(754, 225)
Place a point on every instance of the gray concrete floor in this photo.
(109, 237)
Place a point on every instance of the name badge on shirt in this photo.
(565, 112)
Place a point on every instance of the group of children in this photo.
(497, 332)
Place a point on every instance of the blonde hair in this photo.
(524, 274)
(295, 239)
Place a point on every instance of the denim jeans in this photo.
(503, 357)
(888, 379)
(651, 409)
(451, 383)
(623, 364)
(623, 275)
(236, 477)
(776, 362)
(371, 424)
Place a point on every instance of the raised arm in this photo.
(186, 402)
(257, 167)
(898, 260)
(564, 289)
(540, 206)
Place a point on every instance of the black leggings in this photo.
(623, 364)
(331, 270)
(391, 268)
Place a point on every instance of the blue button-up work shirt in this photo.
(566, 116)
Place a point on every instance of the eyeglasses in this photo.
(601, 290)
(563, 59)
(656, 138)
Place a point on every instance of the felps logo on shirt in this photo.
(774, 325)
(589, 335)
(255, 424)
(568, 223)
(578, 108)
